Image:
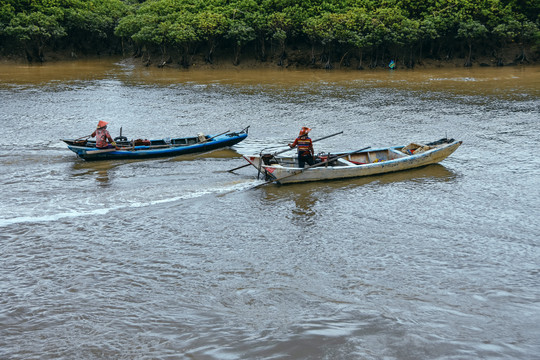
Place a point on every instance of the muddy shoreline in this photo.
(295, 59)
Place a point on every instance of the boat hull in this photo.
(168, 149)
(343, 169)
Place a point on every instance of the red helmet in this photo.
(304, 131)
(101, 124)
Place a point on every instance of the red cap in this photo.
(101, 124)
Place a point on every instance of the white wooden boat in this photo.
(364, 162)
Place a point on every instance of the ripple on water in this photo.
(178, 258)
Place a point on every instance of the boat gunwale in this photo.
(146, 151)
(406, 157)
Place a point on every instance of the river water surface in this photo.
(176, 259)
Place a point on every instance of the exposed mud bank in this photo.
(297, 58)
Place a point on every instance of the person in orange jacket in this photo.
(103, 138)
(305, 147)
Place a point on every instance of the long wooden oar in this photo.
(282, 151)
(83, 137)
(99, 151)
(326, 137)
(311, 166)
(215, 136)
(236, 168)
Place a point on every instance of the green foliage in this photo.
(181, 30)
(209, 24)
(37, 23)
(35, 26)
(471, 30)
(332, 26)
(320, 29)
(240, 32)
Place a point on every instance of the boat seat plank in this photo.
(399, 153)
(346, 162)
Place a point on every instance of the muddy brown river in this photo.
(177, 258)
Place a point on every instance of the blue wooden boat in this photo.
(143, 149)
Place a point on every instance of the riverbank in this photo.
(295, 58)
(300, 59)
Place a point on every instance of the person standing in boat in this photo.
(305, 148)
(103, 138)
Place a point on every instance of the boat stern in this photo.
(253, 160)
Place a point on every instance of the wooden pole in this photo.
(83, 137)
(202, 142)
(243, 166)
(326, 137)
(282, 151)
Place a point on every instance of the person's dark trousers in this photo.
(305, 158)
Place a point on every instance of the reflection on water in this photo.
(430, 173)
(60, 72)
(303, 197)
(426, 174)
(99, 170)
(102, 177)
(503, 81)
(303, 211)
(214, 154)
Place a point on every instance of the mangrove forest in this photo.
(317, 33)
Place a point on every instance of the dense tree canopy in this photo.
(332, 30)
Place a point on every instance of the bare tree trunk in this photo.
(163, 60)
(342, 58)
(185, 59)
(212, 45)
(360, 58)
(522, 57)
(328, 64)
(419, 58)
(468, 62)
(237, 50)
(147, 62)
(374, 63)
(411, 59)
(263, 49)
